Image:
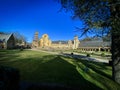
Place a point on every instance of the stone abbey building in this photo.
(44, 41)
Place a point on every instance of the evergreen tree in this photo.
(101, 16)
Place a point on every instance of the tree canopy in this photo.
(101, 15)
(95, 14)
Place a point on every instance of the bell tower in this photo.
(35, 40)
(36, 36)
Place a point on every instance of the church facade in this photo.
(44, 41)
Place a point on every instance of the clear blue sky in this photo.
(28, 16)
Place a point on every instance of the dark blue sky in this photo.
(28, 16)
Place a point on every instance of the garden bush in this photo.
(88, 55)
(102, 54)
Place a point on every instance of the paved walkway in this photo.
(86, 58)
(75, 55)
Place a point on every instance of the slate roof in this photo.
(4, 37)
(94, 44)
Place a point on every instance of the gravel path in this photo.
(75, 55)
(86, 58)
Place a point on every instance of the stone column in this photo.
(70, 44)
(76, 42)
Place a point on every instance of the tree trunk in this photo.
(116, 58)
(115, 17)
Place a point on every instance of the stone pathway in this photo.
(75, 55)
(86, 58)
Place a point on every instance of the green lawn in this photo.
(42, 67)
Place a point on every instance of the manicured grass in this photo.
(42, 67)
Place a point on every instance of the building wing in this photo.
(4, 37)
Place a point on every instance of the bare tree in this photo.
(19, 38)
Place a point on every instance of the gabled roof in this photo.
(5, 37)
(94, 44)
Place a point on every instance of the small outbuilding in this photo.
(7, 41)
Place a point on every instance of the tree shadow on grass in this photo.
(8, 55)
(9, 76)
(95, 73)
(97, 67)
(47, 72)
(58, 74)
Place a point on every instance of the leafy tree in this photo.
(101, 16)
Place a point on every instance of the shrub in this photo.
(102, 54)
(88, 55)
(21, 49)
(72, 53)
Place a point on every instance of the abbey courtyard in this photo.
(75, 43)
(59, 64)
